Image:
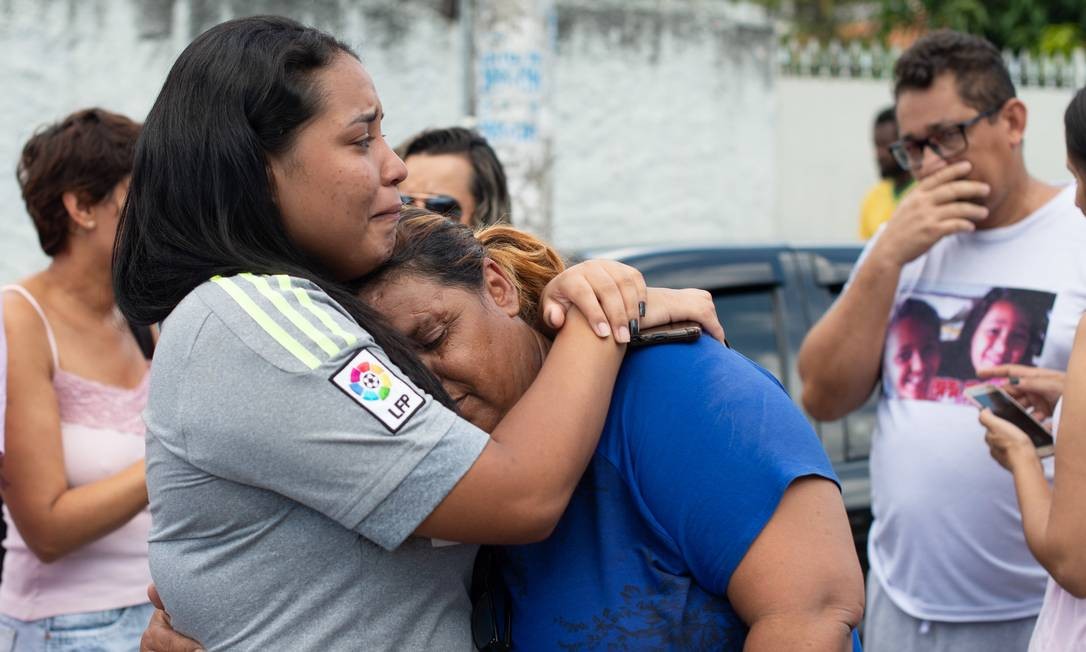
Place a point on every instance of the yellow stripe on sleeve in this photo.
(317, 311)
(292, 315)
(285, 339)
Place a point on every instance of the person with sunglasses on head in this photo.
(1053, 514)
(456, 173)
(311, 483)
(949, 567)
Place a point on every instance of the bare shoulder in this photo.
(27, 342)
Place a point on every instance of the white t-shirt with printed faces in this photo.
(947, 542)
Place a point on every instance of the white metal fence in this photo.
(859, 61)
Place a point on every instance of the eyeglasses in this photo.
(947, 141)
(440, 204)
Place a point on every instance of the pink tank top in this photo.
(1061, 625)
(102, 433)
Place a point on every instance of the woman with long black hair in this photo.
(1054, 517)
(307, 475)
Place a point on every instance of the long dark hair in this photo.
(201, 203)
(1074, 123)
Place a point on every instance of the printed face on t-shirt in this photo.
(941, 336)
(1001, 337)
(916, 356)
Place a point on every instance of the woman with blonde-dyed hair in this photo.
(708, 516)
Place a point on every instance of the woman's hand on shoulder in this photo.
(608, 293)
(666, 306)
(611, 295)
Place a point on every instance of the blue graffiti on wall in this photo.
(510, 71)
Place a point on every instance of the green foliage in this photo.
(1046, 26)
(1060, 39)
(818, 19)
(1036, 25)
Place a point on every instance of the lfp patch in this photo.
(370, 383)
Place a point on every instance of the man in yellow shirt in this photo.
(882, 199)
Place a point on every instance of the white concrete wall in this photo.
(661, 112)
(667, 121)
(824, 161)
(61, 55)
(663, 126)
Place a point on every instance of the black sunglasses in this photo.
(491, 611)
(491, 623)
(949, 140)
(440, 204)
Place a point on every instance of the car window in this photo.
(749, 316)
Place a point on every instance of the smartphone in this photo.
(1002, 405)
(686, 331)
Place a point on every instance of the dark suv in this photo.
(768, 297)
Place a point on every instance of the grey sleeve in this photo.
(316, 437)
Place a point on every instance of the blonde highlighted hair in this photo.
(450, 254)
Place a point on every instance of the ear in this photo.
(78, 211)
(1016, 115)
(276, 167)
(498, 285)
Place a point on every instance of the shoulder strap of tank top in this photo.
(21, 291)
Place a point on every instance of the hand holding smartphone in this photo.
(686, 331)
(1002, 405)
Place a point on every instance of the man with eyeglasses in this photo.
(950, 569)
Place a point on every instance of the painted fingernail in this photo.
(602, 329)
(635, 327)
(1014, 380)
(623, 335)
(641, 308)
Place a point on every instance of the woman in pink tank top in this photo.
(75, 502)
(1054, 518)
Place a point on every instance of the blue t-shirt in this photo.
(698, 448)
